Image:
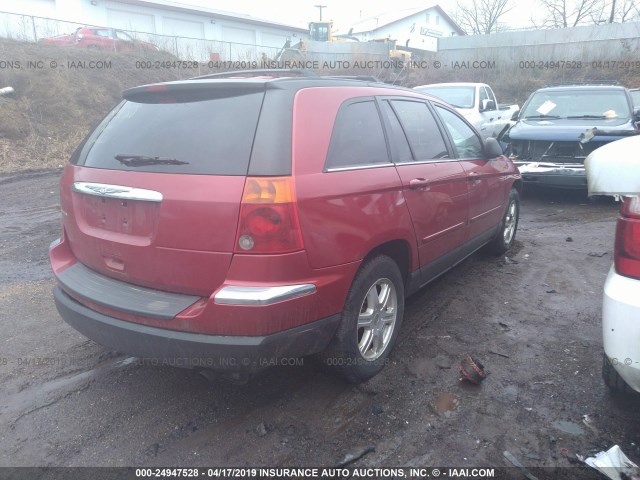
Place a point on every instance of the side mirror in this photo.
(487, 105)
(492, 148)
(636, 114)
(514, 117)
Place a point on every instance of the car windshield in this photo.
(460, 97)
(577, 104)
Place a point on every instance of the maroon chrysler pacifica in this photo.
(228, 222)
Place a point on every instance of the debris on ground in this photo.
(509, 456)
(573, 458)
(472, 370)
(349, 458)
(586, 419)
(499, 354)
(596, 254)
(614, 464)
(261, 430)
(569, 239)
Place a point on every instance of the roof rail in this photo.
(364, 78)
(258, 72)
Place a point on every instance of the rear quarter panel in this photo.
(344, 215)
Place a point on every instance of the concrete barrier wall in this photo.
(611, 42)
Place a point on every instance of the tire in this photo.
(359, 351)
(506, 236)
(613, 380)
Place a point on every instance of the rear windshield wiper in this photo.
(140, 160)
(535, 117)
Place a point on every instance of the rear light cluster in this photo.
(627, 248)
(268, 217)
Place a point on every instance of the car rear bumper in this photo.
(158, 346)
(621, 326)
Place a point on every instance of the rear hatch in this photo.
(153, 193)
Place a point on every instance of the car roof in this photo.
(264, 82)
(452, 84)
(562, 88)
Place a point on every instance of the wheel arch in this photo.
(399, 251)
(518, 185)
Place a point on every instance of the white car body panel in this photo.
(489, 123)
(614, 168)
(621, 326)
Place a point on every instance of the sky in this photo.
(301, 12)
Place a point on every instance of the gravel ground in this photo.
(532, 318)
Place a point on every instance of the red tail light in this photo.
(268, 217)
(627, 249)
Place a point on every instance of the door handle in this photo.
(473, 177)
(416, 183)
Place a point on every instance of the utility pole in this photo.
(320, 7)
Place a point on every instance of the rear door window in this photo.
(422, 130)
(192, 135)
(357, 138)
(399, 144)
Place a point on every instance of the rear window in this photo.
(357, 138)
(211, 136)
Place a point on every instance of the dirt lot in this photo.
(533, 319)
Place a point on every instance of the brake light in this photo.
(627, 246)
(268, 220)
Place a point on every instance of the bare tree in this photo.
(620, 11)
(571, 13)
(477, 17)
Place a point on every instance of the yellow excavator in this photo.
(321, 31)
(324, 46)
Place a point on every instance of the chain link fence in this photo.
(29, 28)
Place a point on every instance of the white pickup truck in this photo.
(477, 103)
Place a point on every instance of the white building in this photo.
(415, 27)
(151, 20)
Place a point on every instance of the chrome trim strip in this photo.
(244, 295)
(359, 167)
(116, 191)
(478, 217)
(433, 236)
(422, 162)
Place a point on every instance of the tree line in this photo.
(478, 17)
